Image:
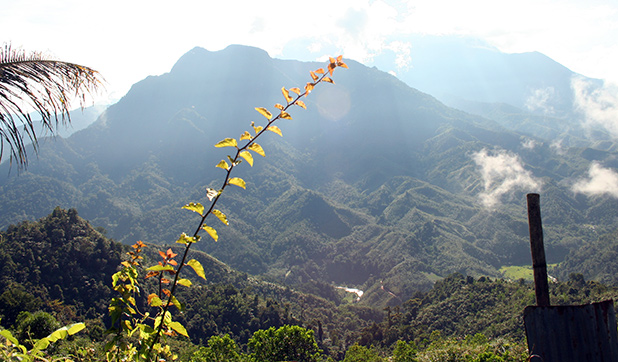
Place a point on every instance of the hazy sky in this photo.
(128, 40)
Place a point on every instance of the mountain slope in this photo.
(376, 185)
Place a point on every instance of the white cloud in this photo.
(529, 143)
(502, 173)
(599, 105)
(558, 147)
(540, 99)
(402, 50)
(600, 181)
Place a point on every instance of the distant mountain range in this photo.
(376, 185)
(525, 92)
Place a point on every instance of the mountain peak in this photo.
(197, 57)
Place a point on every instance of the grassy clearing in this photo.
(514, 272)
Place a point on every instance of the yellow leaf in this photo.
(285, 115)
(224, 165)
(247, 156)
(313, 76)
(295, 90)
(197, 267)
(257, 149)
(258, 129)
(320, 71)
(286, 94)
(179, 328)
(238, 182)
(221, 216)
(301, 104)
(329, 80)
(228, 142)
(276, 129)
(185, 282)
(154, 300)
(197, 207)
(211, 231)
(309, 87)
(185, 239)
(246, 136)
(279, 106)
(264, 112)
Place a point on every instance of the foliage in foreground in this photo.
(33, 82)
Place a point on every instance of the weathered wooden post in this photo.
(564, 333)
(539, 265)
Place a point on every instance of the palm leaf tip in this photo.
(33, 83)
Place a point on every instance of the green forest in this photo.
(58, 271)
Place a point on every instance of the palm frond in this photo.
(32, 83)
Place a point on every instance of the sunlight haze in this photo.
(129, 40)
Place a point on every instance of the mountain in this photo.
(525, 92)
(376, 185)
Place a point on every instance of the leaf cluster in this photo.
(35, 82)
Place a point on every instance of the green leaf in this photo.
(179, 328)
(185, 239)
(197, 207)
(177, 303)
(155, 301)
(247, 156)
(115, 278)
(228, 142)
(238, 182)
(7, 334)
(257, 149)
(75, 327)
(58, 334)
(161, 268)
(264, 112)
(275, 129)
(41, 344)
(184, 282)
(211, 231)
(224, 165)
(221, 216)
(197, 267)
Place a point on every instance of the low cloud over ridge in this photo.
(600, 181)
(599, 105)
(502, 173)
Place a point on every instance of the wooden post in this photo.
(539, 265)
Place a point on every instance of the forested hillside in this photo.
(71, 278)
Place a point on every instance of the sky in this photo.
(128, 40)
